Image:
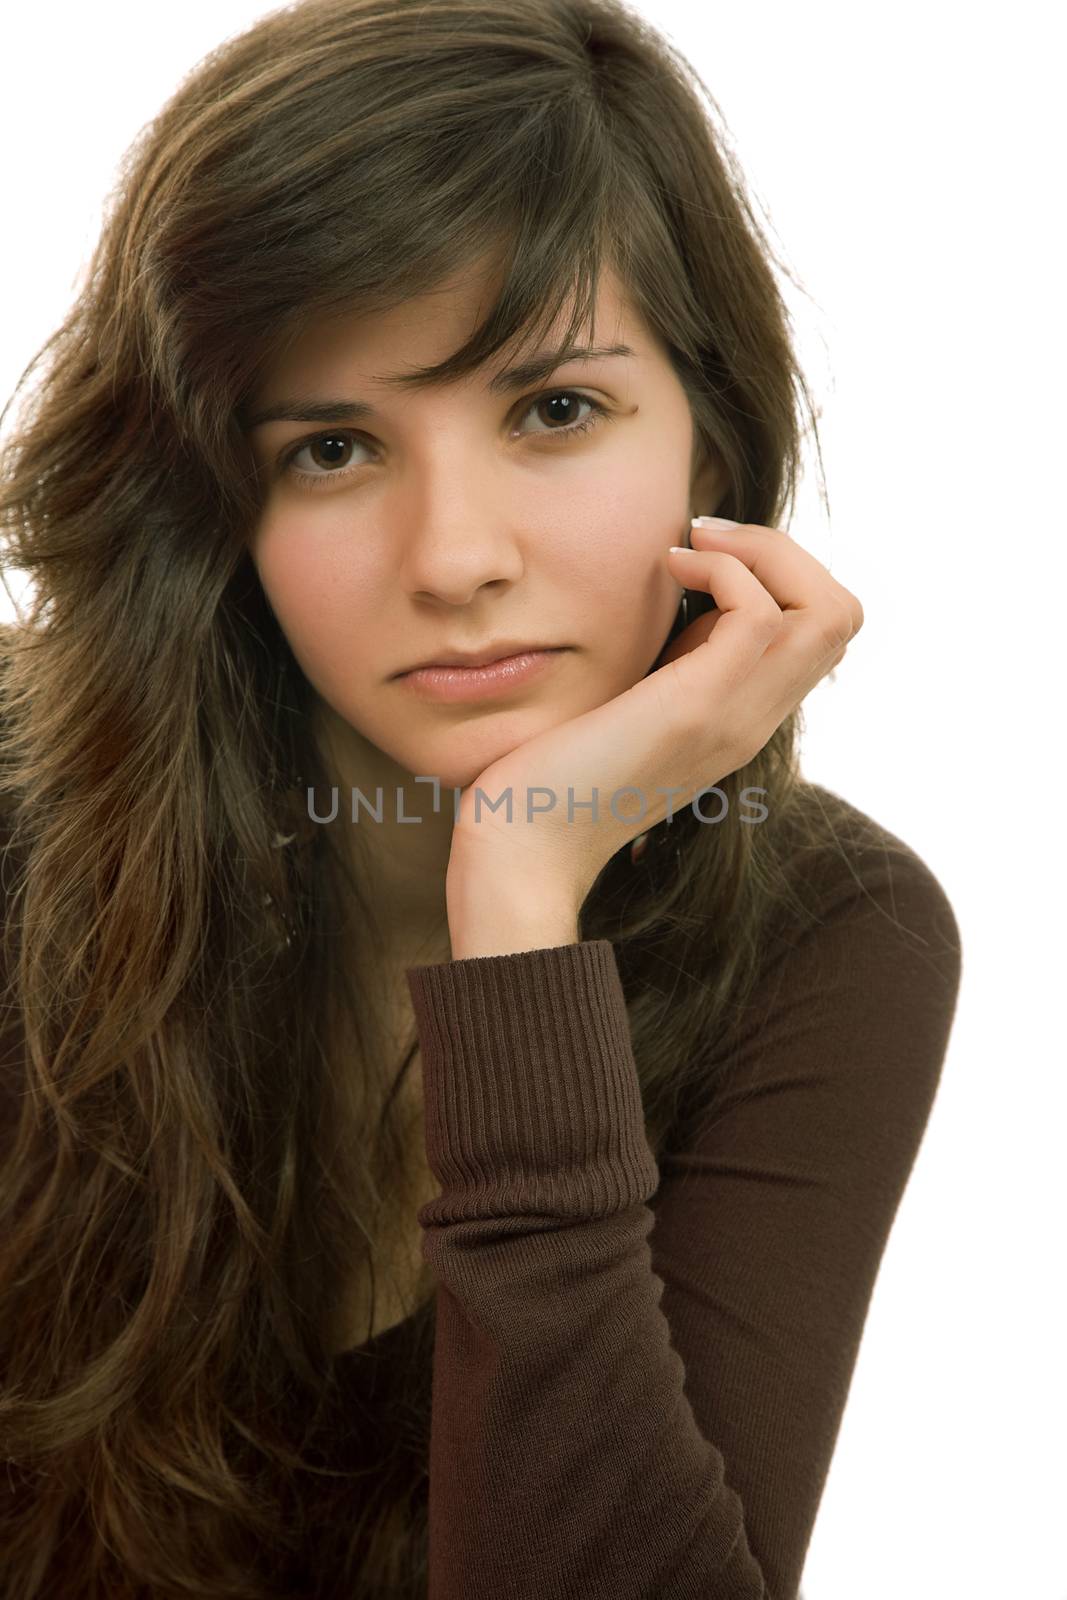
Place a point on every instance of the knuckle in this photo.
(836, 625)
(853, 613)
(813, 636)
(767, 616)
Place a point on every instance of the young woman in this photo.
(398, 1196)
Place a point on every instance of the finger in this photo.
(787, 571)
(696, 632)
(730, 581)
(748, 616)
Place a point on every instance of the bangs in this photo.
(554, 202)
(529, 298)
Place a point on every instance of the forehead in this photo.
(379, 346)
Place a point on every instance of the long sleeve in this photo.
(640, 1366)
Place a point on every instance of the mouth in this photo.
(502, 650)
(501, 675)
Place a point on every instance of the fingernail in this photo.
(721, 523)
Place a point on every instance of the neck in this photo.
(398, 866)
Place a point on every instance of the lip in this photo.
(499, 650)
(483, 682)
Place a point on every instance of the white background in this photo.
(911, 164)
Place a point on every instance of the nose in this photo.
(458, 544)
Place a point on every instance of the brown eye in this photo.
(566, 407)
(566, 403)
(327, 451)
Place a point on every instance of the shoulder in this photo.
(868, 893)
(858, 975)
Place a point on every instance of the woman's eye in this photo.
(568, 397)
(330, 450)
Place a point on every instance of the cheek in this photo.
(321, 601)
(634, 507)
(617, 541)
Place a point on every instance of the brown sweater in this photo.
(639, 1367)
(635, 1368)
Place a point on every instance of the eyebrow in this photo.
(537, 368)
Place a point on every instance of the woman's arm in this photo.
(640, 1368)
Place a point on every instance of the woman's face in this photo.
(447, 519)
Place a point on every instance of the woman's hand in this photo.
(725, 684)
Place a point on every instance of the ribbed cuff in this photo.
(531, 1096)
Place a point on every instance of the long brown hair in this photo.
(178, 1201)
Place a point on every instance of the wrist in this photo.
(501, 912)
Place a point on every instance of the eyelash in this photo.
(317, 480)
